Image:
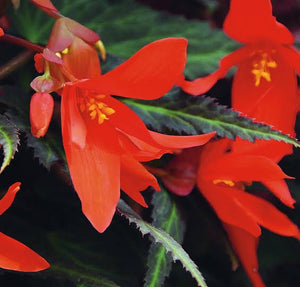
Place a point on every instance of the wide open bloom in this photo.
(221, 175)
(105, 141)
(13, 254)
(265, 83)
(70, 54)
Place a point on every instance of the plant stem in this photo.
(15, 63)
(22, 42)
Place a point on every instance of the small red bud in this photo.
(41, 109)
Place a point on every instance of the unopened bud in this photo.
(41, 109)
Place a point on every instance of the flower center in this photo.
(96, 109)
(261, 68)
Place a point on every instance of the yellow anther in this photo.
(100, 47)
(93, 114)
(92, 107)
(261, 69)
(96, 108)
(65, 51)
(225, 181)
(58, 54)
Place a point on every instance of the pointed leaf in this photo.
(180, 113)
(160, 236)
(166, 216)
(9, 140)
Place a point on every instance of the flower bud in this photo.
(41, 109)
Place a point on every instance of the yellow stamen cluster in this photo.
(225, 181)
(261, 69)
(97, 109)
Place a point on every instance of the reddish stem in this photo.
(22, 42)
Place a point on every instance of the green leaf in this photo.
(166, 216)
(9, 140)
(162, 237)
(179, 113)
(125, 26)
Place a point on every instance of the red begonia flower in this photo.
(70, 55)
(221, 176)
(1, 32)
(105, 141)
(265, 83)
(13, 254)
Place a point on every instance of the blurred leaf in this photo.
(9, 140)
(125, 26)
(166, 216)
(180, 113)
(160, 236)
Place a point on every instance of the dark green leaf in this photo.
(9, 140)
(160, 236)
(124, 31)
(179, 113)
(166, 216)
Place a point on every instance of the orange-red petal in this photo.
(16, 256)
(8, 198)
(94, 166)
(266, 214)
(227, 207)
(148, 74)
(46, 6)
(181, 172)
(135, 178)
(280, 189)
(245, 246)
(252, 21)
(203, 84)
(243, 167)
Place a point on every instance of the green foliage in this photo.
(167, 217)
(160, 236)
(9, 140)
(123, 31)
(179, 113)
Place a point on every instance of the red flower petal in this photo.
(180, 142)
(148, 74)
(46, 6)
(266, 101)
(94, 166)
(227, 207)
(72, 119)
(82, 60)
(16, 256)
(181, 172)
(266, 214)
(8, 198)
(1, 32)
(245, 246)
(203, 84)
(252, 21)
(280, 189)
(239, 167)
(135, 178)
(60, 37)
